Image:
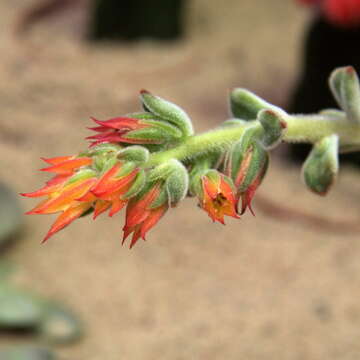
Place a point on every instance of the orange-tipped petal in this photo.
(57, 160)
(228, 192)
(51, 186)
(152, 219)
(100, 207)
(138, 212)
(136, 237)
(116, 206)
(99, 129)
(46, 190)
(106, 137)
(88, 197)
(68, 167)
(66, 218)
(120, 186)
(58, 179)
(211, 187)
(69, 194)
(127, 231)
(38, 207)
(244, 168)
(102, 184)
(246, 199)
(120, 123)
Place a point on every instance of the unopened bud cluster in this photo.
(150, 161)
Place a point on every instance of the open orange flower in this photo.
(109, 191)
(217, 198)
(72, 181)
(142, 214)
(77, 189)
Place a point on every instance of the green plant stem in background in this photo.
(300, 128)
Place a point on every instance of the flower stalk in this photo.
(150, 161)
(299, 129)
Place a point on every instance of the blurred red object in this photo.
(339, 12)
(309, 2)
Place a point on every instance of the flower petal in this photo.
(66, 218)
(68, 166)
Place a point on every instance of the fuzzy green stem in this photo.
(300, 128)
(312, 128)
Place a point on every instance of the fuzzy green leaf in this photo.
(134, 153)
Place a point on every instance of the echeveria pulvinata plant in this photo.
(150, 161)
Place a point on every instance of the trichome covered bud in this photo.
(133, 131)
(321, 167)
(344, 84)
(245, 105)
(144, 211)
(167, 111)
(246, 164)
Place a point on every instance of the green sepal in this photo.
(321, 167)
(198, 170)
(195, 184)
(164, 170)
(344, 84)
(176, 179)
(150, 135)
(177, 184)
(104, 149)
(103, 163)
(237, 152)
(155, 147)
(170, 130)
(82, 175)
(258, 165)
(135, 153)
(125, 169)
(245, 105)
(196, 188)
(143, 116)
(274, 126)
(137, 186)
(161, 199)
(213, 175)
(167, 111)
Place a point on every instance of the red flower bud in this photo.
(246, 164)
(116, 130)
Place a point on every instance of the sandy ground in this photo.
(254, 289)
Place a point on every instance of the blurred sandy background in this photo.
(258, 288)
